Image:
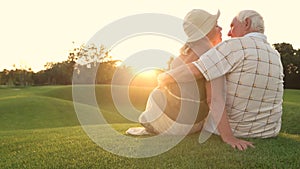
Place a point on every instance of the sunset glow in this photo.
(148, 74)
(146, 78)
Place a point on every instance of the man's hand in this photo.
(227, 135)
(238, 143)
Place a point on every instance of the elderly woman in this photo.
(180, 108)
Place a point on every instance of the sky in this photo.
(34, 32)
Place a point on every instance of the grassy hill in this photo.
(39, 129)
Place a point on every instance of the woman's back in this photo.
(184, 96)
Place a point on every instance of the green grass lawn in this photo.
(39, 129)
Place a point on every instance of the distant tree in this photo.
(3, 77)
(40, 78)
(59, 73)
(291, 63)
(123, 75)
(96, 60)
(16, 77)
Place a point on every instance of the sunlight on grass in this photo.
(11, 97)
(295, 137)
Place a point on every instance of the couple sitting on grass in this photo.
(232, 88)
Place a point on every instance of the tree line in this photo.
(79, 63)
(89, 58)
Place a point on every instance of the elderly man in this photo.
(254, 82)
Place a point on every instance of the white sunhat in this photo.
(198, 23)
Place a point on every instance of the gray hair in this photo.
(257, 21)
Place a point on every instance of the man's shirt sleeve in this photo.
(220, 60)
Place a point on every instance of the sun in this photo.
(148, 74)
(146, 78)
